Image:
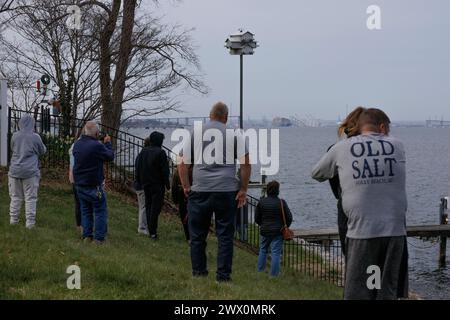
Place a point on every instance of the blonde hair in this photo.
(350, 126)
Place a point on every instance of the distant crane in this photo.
(307, 121)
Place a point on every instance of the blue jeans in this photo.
(201, 206)
(93, 206)
(276, 247)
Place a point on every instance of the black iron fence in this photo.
(322, 260)
(119, 174)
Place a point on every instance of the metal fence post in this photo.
(242, 233)
(3, 123)
(443, 239)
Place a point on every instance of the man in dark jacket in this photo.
(269, 217)
(152, 173)
(89, 155)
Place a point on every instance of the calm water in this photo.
(428, 179)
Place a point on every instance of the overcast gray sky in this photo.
(317, 56)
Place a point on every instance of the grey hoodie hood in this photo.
(26, 123)
(26, 147)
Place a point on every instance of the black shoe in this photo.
(153, 237)
(199, 274)
(88, 239)
(223, 280)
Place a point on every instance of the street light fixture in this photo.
(241, 43)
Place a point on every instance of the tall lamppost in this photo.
(241, 43)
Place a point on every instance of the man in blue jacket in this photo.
(89, 155)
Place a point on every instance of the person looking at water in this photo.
(24, 173)
(179, 198)
(142, 214)
(347, 129)
(215, 189)
(72, 182)
(152, 173)
(371, 168)
(269, 216)
(89, 156)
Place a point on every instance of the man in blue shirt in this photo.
(89, 155)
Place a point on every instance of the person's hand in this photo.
(107, 139)
(71, 180)
(241, 198)
(186, 191)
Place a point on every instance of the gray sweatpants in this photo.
(389, 255)
(142, 213)
(23, 190)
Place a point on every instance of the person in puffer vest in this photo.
(269, 217)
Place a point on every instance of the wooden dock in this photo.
(424, 231)
(442, 231)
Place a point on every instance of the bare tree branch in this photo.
(117, 60)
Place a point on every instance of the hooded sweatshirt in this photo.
(26, 147)
(152, 167)
(371, 170)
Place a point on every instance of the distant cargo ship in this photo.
(281, 122)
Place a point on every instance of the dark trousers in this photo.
(77, 206)
(183, 213)
(342, 226)
(390, 255)
(201, 206)
(154, 200)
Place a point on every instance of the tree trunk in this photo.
(112, 104)
(105, 65)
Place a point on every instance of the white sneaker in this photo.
(31, 226)
(143, 231)
(14, 222)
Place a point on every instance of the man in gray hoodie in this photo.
(24, 174)
(371, 169)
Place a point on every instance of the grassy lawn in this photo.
(33, 262)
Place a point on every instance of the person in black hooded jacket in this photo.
(152, 173)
